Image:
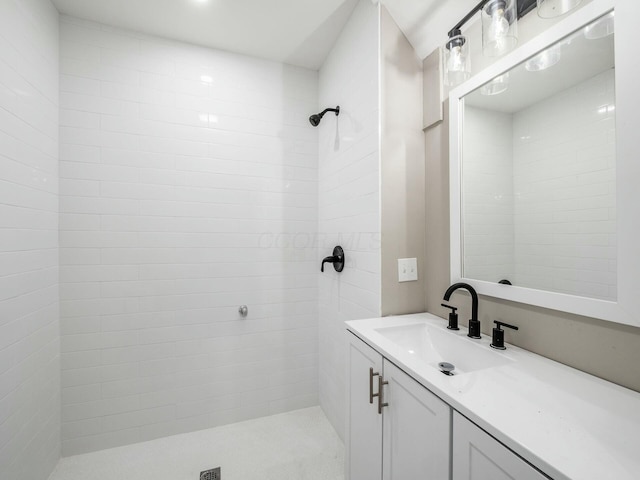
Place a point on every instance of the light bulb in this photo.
(499, 25)
(456, 67)
(455, 63)
(498, 30)
(456, 60)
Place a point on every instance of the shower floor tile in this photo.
(299, 445)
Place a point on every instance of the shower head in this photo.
(316, 117)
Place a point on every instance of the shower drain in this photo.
(213, 474)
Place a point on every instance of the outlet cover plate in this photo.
(407, 269)
(213, 474)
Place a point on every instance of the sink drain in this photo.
(447, 368)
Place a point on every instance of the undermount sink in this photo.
(433, 346)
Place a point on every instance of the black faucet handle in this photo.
(497, 340)
(453, 317)
(453, 309)
(502, 324)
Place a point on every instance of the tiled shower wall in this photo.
(349, 210)
(551, 167)
(566, 238)
(488, 201)
(188, 187)
(29, 326)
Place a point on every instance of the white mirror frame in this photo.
(626, 309)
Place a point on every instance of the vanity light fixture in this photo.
(496, 86)
(601, 28)
(545, 59)
(555, 8)
(500, 35)
(499, 27)
(456, 59)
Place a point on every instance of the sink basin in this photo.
(432, 346)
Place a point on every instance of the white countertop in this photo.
(569, 424)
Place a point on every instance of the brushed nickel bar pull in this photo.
(381, 403)
(371, 394)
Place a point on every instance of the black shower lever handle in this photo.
(337, 259)
(329, 259)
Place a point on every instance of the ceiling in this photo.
(297, 32)
(425, 23)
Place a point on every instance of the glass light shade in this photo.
(555, 8)
(499, 27)
(603, 27)
(545, 59)
(457, 65)
(496, 86)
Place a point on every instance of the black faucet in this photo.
(474, 323)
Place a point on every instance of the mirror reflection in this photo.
(539, 170)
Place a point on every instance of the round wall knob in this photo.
(243, 310)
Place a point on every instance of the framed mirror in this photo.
(537, 173)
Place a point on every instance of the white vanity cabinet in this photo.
(416, 430)
(502, 415)
(404, 434)
(363, 440)
(479, 456)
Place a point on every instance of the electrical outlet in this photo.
(407, 269)
(213, 474)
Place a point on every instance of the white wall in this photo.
(564, 154)
(188, 188)
(349, 206)
(29, 326)
(402, 207)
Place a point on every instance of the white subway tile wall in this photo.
(488, 201)
(540, 206)
(564, 180)
(29, 325)
(188, 187)
(349, 210)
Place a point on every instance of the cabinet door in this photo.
(416, 426)
(363, 438)
(479, 456)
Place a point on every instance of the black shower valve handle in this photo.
(330, 259)
(337, 259)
